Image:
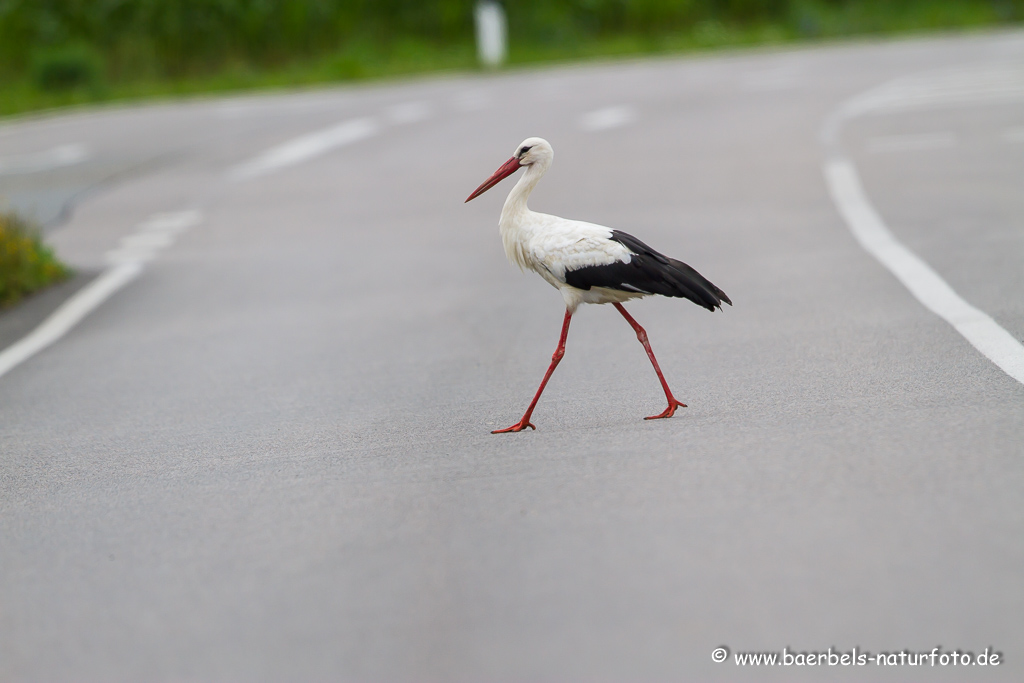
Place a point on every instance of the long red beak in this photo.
(507, 169)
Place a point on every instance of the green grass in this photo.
(247, 51)
(26, 264)
(358, 62)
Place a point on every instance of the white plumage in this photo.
(587, 263)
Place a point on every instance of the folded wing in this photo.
(648, 272)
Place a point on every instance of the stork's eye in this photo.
(523, 151)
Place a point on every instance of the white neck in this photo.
(515, 204)
(515, 226)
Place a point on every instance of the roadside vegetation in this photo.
(26, 264)
(59, 52)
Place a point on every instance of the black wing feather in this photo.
(649, 272)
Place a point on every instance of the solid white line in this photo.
(867, 226)
(905, 143)
(157, 232)
(971, 85)
(305, 147)
(68, 315)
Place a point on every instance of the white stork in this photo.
(587, 263)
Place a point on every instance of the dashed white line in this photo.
(128, 262)
(158, 232)
(984, 333)
(609, 117)
(408, 112)
(305, 147)
(171, 223)
(58, 157)
(904, 143)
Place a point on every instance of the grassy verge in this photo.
(356, 62)
(26, 264)
(567, 39)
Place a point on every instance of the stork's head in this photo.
(530, 152)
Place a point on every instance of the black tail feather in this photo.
(710, 296)
(681, 280)
(649, 272)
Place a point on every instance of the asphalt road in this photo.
(268, 456)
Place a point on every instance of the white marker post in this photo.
(491, 33)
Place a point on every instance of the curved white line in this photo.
(977, 327)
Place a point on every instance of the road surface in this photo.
(266, 456)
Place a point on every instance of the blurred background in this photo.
(62, 51)
(57, 53)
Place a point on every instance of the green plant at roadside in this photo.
(173, 39)
(26, 264)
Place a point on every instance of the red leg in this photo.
(641, 334)
(557, 356)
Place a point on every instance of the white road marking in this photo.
(609, 117)
(243, 107)
(986, 84)
(305, 147)
(408, 112)
(127, 263)
(159, 231)
(68, 315)
(154, 234)
(971, 86)
(903, 143)
(174, 222)
(58, 157)
(984, 333)
(1014, 134)
(968, 85)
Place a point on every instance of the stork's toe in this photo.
(668, 412)
(518, 427)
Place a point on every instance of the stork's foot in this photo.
(668, 412)
(518, 427)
